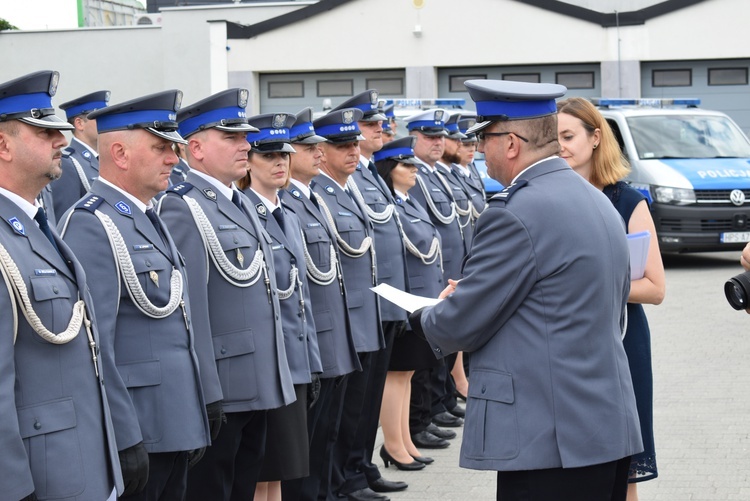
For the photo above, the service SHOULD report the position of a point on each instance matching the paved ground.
(701, 350)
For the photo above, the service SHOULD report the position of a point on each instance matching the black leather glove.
(134, 465)
(194, 456)
(313, 391)
(30, 497)
(216, 416)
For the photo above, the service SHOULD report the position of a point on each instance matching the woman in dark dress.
(590, 148)
(397, 166)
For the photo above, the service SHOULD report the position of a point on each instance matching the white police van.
(692, 165)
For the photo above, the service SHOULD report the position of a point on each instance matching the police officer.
(352, 228)
(467, 168)
(80, 163)
(371, 192)
(545, 278)
(233, 287)
(52, 397)
(138, 281)
(328, 297)
(389, 124)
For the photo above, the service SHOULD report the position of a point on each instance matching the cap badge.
(278, 121)
(439, 115)
(329, 190)
(242, 103)
(107, 96)
(53, 83)
(348, 116)
(17, 225)
(177, 100)
(210, 194)
(123, 208)
(374, 98)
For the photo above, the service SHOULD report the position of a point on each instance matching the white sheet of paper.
(408, 302)
(638, 244)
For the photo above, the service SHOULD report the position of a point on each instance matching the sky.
(40, 14)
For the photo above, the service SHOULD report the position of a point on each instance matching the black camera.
(737, 290)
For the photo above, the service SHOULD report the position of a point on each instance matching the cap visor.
(276, 147)
(408, 161)
(169, 135)
(314, 139)
(377, 117)
(457, 135)
(434, 133)
(48, 122)
(237, 128)
(478, 126)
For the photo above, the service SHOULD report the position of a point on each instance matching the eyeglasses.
(482, 135)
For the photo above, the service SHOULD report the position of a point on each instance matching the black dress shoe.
(458, 411)
(383, 485)
(447, 420)
(426, 440)
(366, 494)
(441, 433)
(388, 459)
(424, 459)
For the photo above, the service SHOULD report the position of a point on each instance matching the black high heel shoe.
(388, 459)
(423, 459)
(459, 396)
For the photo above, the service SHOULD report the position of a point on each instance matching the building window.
(457, 81)
(672, 78)
(333, 88)
(727, 76)
(387, 86)
(286, 89)
(576, 80)
(523, 77)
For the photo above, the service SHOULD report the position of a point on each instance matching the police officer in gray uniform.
(233, 288)
(328, 297)
(372, 193)
(80, 163)
(461, 197)
(353, 231)
(548, 275)
(470, 174)
(55, 422)
(139, 284)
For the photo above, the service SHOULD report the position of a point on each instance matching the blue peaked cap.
(340, 126)
(86, 104)
(367, 103)
(273, 132)
(224, 110)
(29, 99)
(400, 150)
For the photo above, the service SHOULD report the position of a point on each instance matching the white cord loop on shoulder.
(430, 256)
(81, 174)
(376, 217)
(433, 208)
(313, 272)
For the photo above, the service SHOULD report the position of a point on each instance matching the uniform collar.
(227, 191)
(532, 165)
(301, 187)
(269, 205)
(28, 208)
(141, 206)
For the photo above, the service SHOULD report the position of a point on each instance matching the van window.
(687, 136)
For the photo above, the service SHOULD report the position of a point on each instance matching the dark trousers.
(443, 387)
(601, 482)
(420, 405)
(322, 425)
(229, 470)
(167, 478)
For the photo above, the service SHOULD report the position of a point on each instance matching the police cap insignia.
(17, 225)
(177, 100)
(242, 103)
(261, 209)
(124, 208)
(348, 116)
(107, 96)
(374, 98)
(279, 121)
(439, 115)
(54, 80)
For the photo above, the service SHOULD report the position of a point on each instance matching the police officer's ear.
(195, 147)
(79, 123)
(6, 131)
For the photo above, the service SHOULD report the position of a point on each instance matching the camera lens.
(737, 291)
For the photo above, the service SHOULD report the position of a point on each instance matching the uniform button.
(148, 263)
(484, 389)
(223, 351)
(277, 317)
(301, 337)
(55, 290)
(37, 425)
(236, 241)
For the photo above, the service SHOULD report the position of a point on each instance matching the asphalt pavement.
(701, 356)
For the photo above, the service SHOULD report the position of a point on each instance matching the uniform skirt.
(287, 444)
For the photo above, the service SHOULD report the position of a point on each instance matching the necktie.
(236, 200)
(373, 169)
(278, 215)
(41, 220)
(157, 225)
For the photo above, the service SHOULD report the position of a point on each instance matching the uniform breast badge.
(154, 277)
(240, 257)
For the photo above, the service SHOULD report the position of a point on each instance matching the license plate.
(733, 237)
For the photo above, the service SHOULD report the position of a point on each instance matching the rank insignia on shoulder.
(91, 203)
(181, 188)
(330, 190)
(504, 195)
(261, 209)
(210, 194)
(17, 226)
(123, 208)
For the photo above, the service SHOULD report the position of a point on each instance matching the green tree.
(5, 25)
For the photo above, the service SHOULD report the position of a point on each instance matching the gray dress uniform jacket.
(338, 355)
(55, 423)
(425, 280)
(389, 249)
(475, 184)
(155, 358)
(541, 309)
(353, 226)
(239, 339)
(69, 189)
(300, 338)
(454, 248)
(463, 203)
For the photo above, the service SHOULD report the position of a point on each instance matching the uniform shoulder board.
(503, 197)
(180, 188)
(90, 203)
(66, 152)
